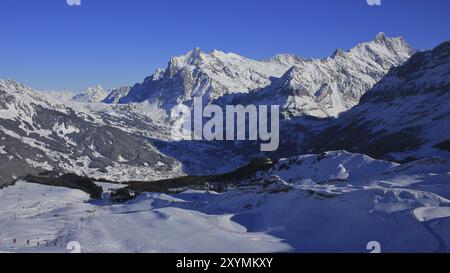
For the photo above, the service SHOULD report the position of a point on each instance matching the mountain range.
(379, 98)
(315, 87)
(364, 158)
(405, 116)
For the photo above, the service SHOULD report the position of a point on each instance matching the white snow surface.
(309, 207)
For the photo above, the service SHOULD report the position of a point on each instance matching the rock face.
(36, 134)
(405, 116)
(321, 88)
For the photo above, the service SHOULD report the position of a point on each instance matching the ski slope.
(333, 202)
(153, 223)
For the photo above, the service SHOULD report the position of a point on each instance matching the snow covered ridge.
(90, 95)
(404, 117)
(425, 72)
(331, 202)
(321, 88)
(328, 87)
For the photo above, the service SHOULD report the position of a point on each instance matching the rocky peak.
(425, 71)
(13, 85)
(381, 37)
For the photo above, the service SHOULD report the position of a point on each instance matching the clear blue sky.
(50, 45)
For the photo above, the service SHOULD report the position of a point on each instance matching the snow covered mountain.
(37, 133)
(328, 87)
(62, 135)
(404, 116)
(210, 75)
(91, 94)
(320, 88)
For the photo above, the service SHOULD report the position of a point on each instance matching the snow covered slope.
(38, 133)
(332, 202)
(405, 116)
(153, 223)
